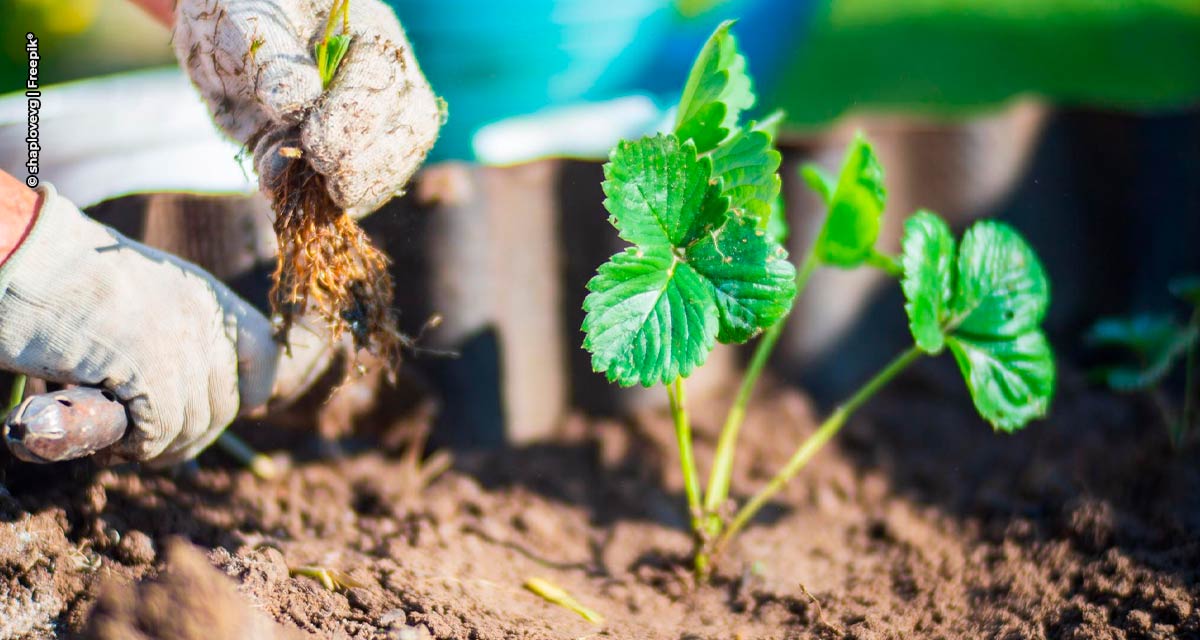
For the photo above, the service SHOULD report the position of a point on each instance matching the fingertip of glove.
(257, 363)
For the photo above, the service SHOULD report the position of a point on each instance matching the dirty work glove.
(253, 62)
(82, 304)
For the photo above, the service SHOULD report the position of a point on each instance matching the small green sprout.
(855, 202)
(255, 45)
(701, 208)
(1155, 344)
(260, 464)
(555, 594)
(333, 47)
(331, 579)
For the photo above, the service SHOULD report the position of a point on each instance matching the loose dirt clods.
(918, 523)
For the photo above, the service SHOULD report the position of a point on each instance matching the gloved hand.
(82, 304)
(252, 60)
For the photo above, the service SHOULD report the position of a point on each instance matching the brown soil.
(916, 523)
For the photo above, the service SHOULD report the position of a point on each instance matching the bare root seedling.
(328, 262)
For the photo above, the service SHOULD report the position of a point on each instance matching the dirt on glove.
(917, 522)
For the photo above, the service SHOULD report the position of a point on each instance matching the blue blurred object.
(767, 31)
(492, 60)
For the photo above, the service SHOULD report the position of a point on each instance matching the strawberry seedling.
(1155, 344)
(700, 206)
(333, 47)
(327, 263)
(694, 204)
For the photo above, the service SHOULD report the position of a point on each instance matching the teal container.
(492, 60)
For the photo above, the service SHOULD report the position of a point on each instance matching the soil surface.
(917, 522)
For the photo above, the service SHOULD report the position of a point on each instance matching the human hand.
(367, 132)
(82, 304)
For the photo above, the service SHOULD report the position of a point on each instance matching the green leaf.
(1001, 289)
(650, 318)
(752, 278)
(329, 56)
(660, 194)
(994, 325)
(1011, 380)
(770, 124)
(699, 272)
(1186, 288)
(818, 180)
(748, 166)
(855, 208)
(928, 281)
(1156, 342)
(777, 227)
(717, 91)
(1143, 334)
(776, 223)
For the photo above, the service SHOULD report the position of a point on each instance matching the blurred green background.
(78, 39)
(954, 55)
(1104, 180)
(935, 56)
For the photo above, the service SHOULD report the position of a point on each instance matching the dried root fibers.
(329, 265)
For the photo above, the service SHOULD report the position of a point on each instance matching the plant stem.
(683, 433)
(340, 9)
(260, 464)
(888, 263)
(1188, 418)
(810, 446)
(17, 394)
(722, 469)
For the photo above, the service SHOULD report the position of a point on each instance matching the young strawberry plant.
(694, 204)
(701, 208)
(333, 46)
(1155, 343)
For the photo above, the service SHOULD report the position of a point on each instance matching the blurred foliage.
(941, 57)
(53, 17)
(694, 8)
(78, 38)
(955, 56)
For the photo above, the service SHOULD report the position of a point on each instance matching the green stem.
(260, 464)
(813, 444)
(340, 9)
(1189, 384)
(687, 460)
(17, 394)
(888, 263)
(722, 469)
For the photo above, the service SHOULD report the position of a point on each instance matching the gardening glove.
(253, 62)
(82, 304)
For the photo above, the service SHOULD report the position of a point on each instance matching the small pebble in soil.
(274, 565)
(109, 537)
(136, 548)
(394, 619)
(410, 633)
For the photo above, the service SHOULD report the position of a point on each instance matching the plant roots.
(326, 260)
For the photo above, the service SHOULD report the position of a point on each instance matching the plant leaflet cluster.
(701, 209)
